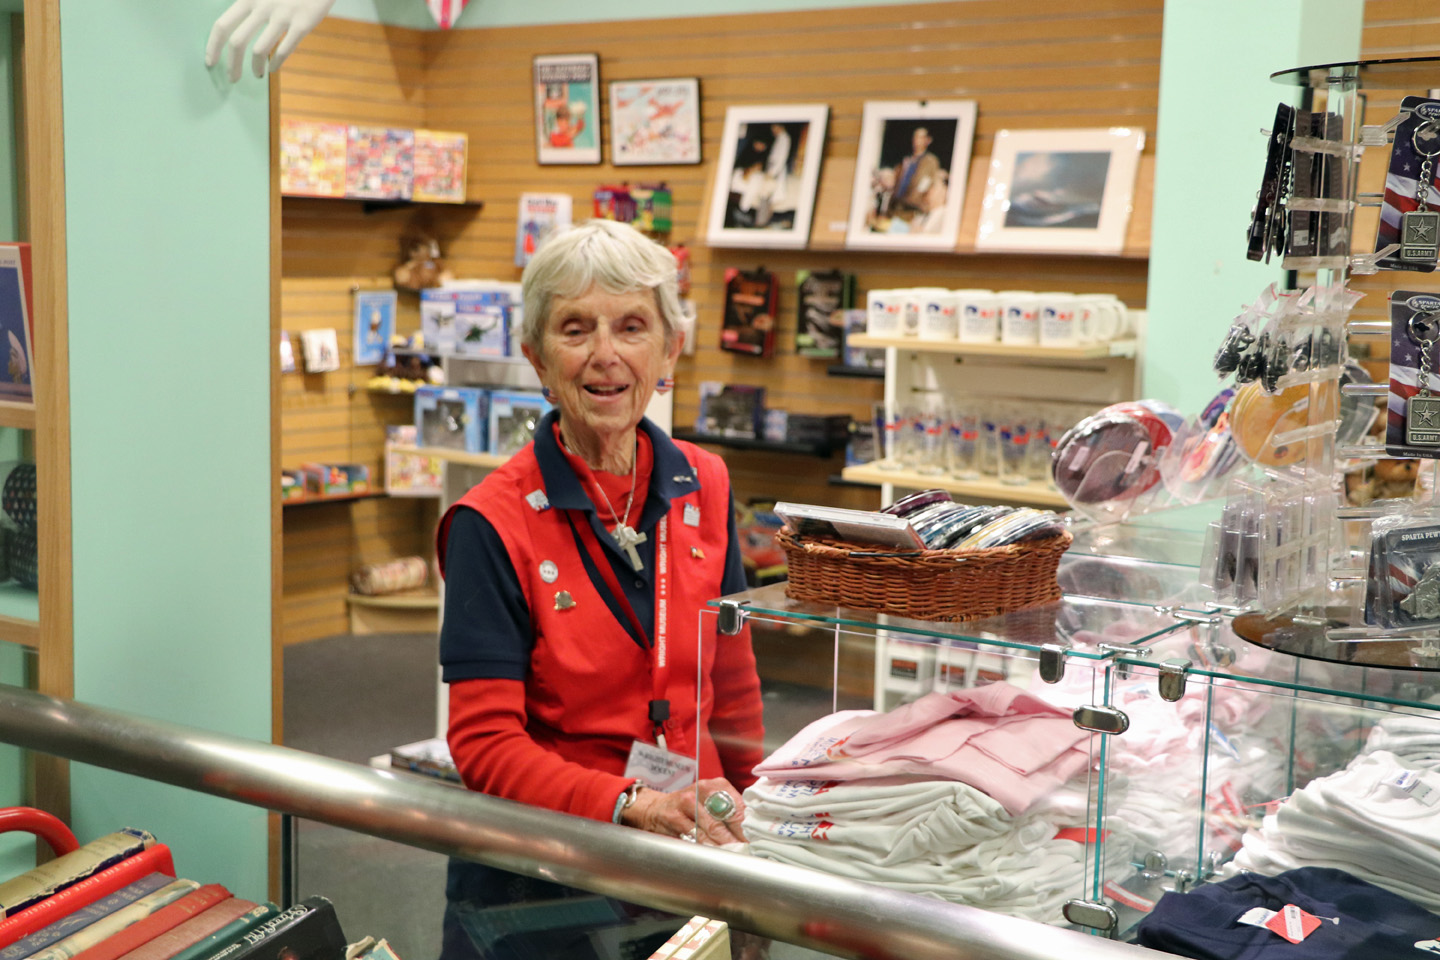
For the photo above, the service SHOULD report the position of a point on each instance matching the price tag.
(1256, 917)
(1292, 923)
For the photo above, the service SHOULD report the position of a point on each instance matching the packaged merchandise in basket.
(924, 557)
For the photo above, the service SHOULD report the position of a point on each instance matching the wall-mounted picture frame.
(1060, 191)
(910, 174)
(766, 176)
(567, 108)
(655, 122)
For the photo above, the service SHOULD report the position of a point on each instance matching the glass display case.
(1075, 763)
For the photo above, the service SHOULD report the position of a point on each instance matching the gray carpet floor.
(355, 697)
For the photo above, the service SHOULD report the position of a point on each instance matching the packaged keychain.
(1268, 218)
(1406, 218)
(1412, 417)
(1404, 586)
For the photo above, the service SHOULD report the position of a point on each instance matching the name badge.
(660, 769)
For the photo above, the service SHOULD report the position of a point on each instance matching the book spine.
(207, 947)
(156, 859)
(83, 917)
(88, 937)
(308, 929)
(157, 923)
(35, 885)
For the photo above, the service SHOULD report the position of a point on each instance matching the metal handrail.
(775, 900)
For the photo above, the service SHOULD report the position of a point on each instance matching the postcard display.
(1126, 761)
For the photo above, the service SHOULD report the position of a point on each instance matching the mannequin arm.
(285, 22)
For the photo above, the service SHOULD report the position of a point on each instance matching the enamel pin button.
(549, 572)
(691, 515)
(563, 600)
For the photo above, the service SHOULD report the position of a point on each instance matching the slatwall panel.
(1393, 28)
(1043, 64)
(362, 73)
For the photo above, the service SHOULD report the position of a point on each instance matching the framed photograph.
(910, 174)
(766, 175)
(567, 108)
(374, 324)
(655, 121)
(1060, 191)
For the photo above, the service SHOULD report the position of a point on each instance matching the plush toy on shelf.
(424, 266)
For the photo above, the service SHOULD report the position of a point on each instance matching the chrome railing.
(793, 904)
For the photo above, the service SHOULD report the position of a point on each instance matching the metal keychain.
(1422, 411)
(1420, 228)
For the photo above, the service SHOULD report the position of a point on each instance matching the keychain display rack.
(1285, 544)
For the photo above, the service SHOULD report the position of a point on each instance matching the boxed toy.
(731, 410)
(292, 485)
(481, 323)
(409, 474)
(329, 479)
(437, 319)
(452, 417)
(514, 416)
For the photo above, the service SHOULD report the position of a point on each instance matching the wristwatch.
(627, 797)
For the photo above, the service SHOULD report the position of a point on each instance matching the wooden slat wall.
(1046, 64)
(1054, 63)
(362, 73)
(1393, 28)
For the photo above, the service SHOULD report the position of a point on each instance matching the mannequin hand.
(671, 814)
(290, 19)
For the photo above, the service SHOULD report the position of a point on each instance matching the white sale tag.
(660, 769)
(1256, 916)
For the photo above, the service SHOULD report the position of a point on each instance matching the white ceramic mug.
(883, 318)
(1057, 317)
(1125, 324)
(912, 307)
(939, 316)
(1105, 317)
(1019, 319)
(979, 315)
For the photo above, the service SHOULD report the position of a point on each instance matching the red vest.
(589, 684)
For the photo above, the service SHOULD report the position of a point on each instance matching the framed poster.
(910, 174)
(374, 324)
(540, 214)
(1060, 191)
(567, 108)
(766, 175)
(655, 121)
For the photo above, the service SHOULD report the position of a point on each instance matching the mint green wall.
(1215, 97)
(167, 205)
(510, 13)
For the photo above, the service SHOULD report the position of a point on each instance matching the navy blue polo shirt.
(486, 632)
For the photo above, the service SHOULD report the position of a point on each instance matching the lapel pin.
(692, 515)
(549, 572)
(563, 600)
(538, 500)
(697, 553)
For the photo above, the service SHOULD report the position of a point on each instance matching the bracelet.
(627, 797)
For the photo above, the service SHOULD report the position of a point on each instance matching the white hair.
(613, 255)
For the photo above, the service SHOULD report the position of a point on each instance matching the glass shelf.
(1401, 73)
(1080, 624)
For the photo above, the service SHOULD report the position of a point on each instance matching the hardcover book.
(209, 943)
(35, 885)
(749, 318)
(17, 321)
(83, 917)
(155, 859)
(161, 921)
(380, 163)
(306, 931)
(430, 757)
(440, 166)
(113, 923)
(312, 158)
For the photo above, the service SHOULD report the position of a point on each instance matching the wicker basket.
(933, 585)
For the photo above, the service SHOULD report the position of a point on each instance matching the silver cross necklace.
(626, 537)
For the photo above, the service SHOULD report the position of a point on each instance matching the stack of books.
(118, 897)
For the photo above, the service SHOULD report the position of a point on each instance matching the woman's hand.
(673, 814)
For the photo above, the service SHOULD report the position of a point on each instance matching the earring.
(665, 385)
(549, 395)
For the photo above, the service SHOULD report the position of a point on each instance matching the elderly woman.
(574, 573)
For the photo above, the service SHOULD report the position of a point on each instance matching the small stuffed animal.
(424, 268)
(1382, 480)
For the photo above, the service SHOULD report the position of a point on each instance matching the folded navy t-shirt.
(1358, 920)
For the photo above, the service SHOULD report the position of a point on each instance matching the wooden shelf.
(1093, 351)
(331, 498)
(765, 446)
(14, 413)
(456, 456)
(984, 488)
(19, 615)
(859, 373)
(376, 206)
(426, 600)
